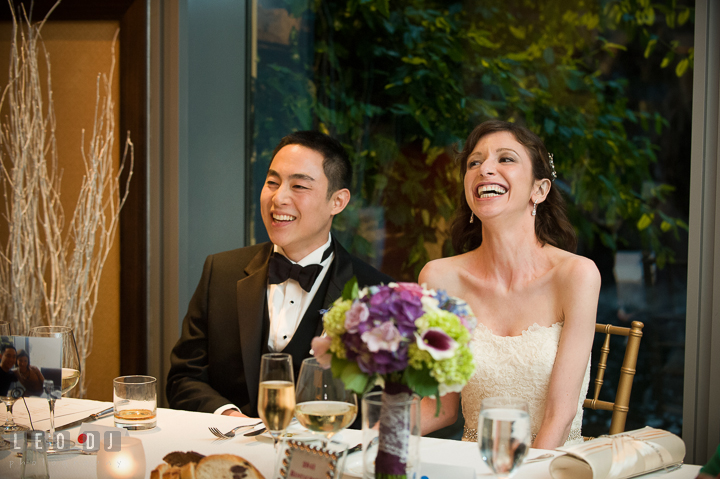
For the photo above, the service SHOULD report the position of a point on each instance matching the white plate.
(353, 465)
(294, 431)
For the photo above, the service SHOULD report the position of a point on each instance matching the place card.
(299, 460)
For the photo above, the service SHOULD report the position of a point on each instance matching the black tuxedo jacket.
(216, 361)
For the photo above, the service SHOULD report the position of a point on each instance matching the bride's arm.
(435, 276)
(448, 412)
(579, 289)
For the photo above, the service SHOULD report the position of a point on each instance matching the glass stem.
(51, 401)
(9, 420)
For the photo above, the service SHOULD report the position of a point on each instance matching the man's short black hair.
(336, 163)
(7, 346)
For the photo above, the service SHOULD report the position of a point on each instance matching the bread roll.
(226, 466)
(218, 466)
(163, 471)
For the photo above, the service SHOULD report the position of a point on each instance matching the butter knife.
(60, 452)
(91, 417)
(256, 432)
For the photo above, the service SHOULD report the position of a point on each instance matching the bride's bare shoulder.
(576, 271)
(441, 273)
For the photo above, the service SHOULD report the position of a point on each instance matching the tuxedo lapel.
(251, 301)
(341, 271)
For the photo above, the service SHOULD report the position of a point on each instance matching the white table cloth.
(188, 431)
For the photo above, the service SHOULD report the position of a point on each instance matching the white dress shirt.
(288, 302)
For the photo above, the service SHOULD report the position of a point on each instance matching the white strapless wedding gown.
(518, 366)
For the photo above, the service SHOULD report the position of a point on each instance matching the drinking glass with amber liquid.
(276, 395)
(135, 402)
(322, 403)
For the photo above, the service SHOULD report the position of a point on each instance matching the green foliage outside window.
(402, 83)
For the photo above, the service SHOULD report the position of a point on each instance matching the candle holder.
(127, 462)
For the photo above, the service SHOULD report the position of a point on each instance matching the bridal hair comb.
(552, 167)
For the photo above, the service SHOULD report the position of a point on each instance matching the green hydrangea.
(418, 358)
(455, 370)
(334, 320)
(337, 347)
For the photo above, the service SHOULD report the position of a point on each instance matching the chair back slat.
(621, 404)
(602, 366)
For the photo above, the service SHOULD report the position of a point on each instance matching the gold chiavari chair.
(621, 404)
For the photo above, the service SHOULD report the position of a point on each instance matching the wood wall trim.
(134, 215)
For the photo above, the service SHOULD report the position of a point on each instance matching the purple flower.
(392, 304)
(384, 362)
(357, 314)
(436, 342)
(385, 337)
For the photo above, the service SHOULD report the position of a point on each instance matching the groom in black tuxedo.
(268, 297)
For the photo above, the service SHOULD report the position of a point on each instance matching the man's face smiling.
(8, 359)
(294, 205)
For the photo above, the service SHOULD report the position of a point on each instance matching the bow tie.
(281, 269)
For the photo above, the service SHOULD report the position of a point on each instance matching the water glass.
(34, 456)
(135, 402)
(387, 423)
(504, 434)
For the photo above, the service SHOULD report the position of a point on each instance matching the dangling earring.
(534, 211)
(472, 217)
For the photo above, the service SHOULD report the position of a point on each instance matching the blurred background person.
(7, 361)
(29, 376)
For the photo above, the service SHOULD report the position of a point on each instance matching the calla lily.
(436, 342)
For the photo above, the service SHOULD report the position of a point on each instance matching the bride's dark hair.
(551, 223)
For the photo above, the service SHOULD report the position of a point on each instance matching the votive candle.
(126, 463)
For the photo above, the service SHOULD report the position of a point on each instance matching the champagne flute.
(276, 395)
(504, 434)
(70, 373)
(322, 403)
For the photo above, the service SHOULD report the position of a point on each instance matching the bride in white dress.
(535, 300)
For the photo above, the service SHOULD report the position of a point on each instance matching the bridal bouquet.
(412, 338)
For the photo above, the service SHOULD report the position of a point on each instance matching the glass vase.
(391, 433)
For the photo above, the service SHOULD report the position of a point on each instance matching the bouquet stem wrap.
(394, 438)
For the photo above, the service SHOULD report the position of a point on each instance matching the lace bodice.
(518, 366)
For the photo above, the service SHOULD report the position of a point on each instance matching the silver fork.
(231, 433)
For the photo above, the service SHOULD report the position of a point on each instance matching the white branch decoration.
(50, 274)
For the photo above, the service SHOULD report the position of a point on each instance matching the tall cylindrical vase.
(391, 433)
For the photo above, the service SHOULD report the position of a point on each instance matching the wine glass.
(322, 403)
(9, 396)
(504, 434)
(276, 396)
(70, 373)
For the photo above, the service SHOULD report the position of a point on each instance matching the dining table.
(178, 430)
